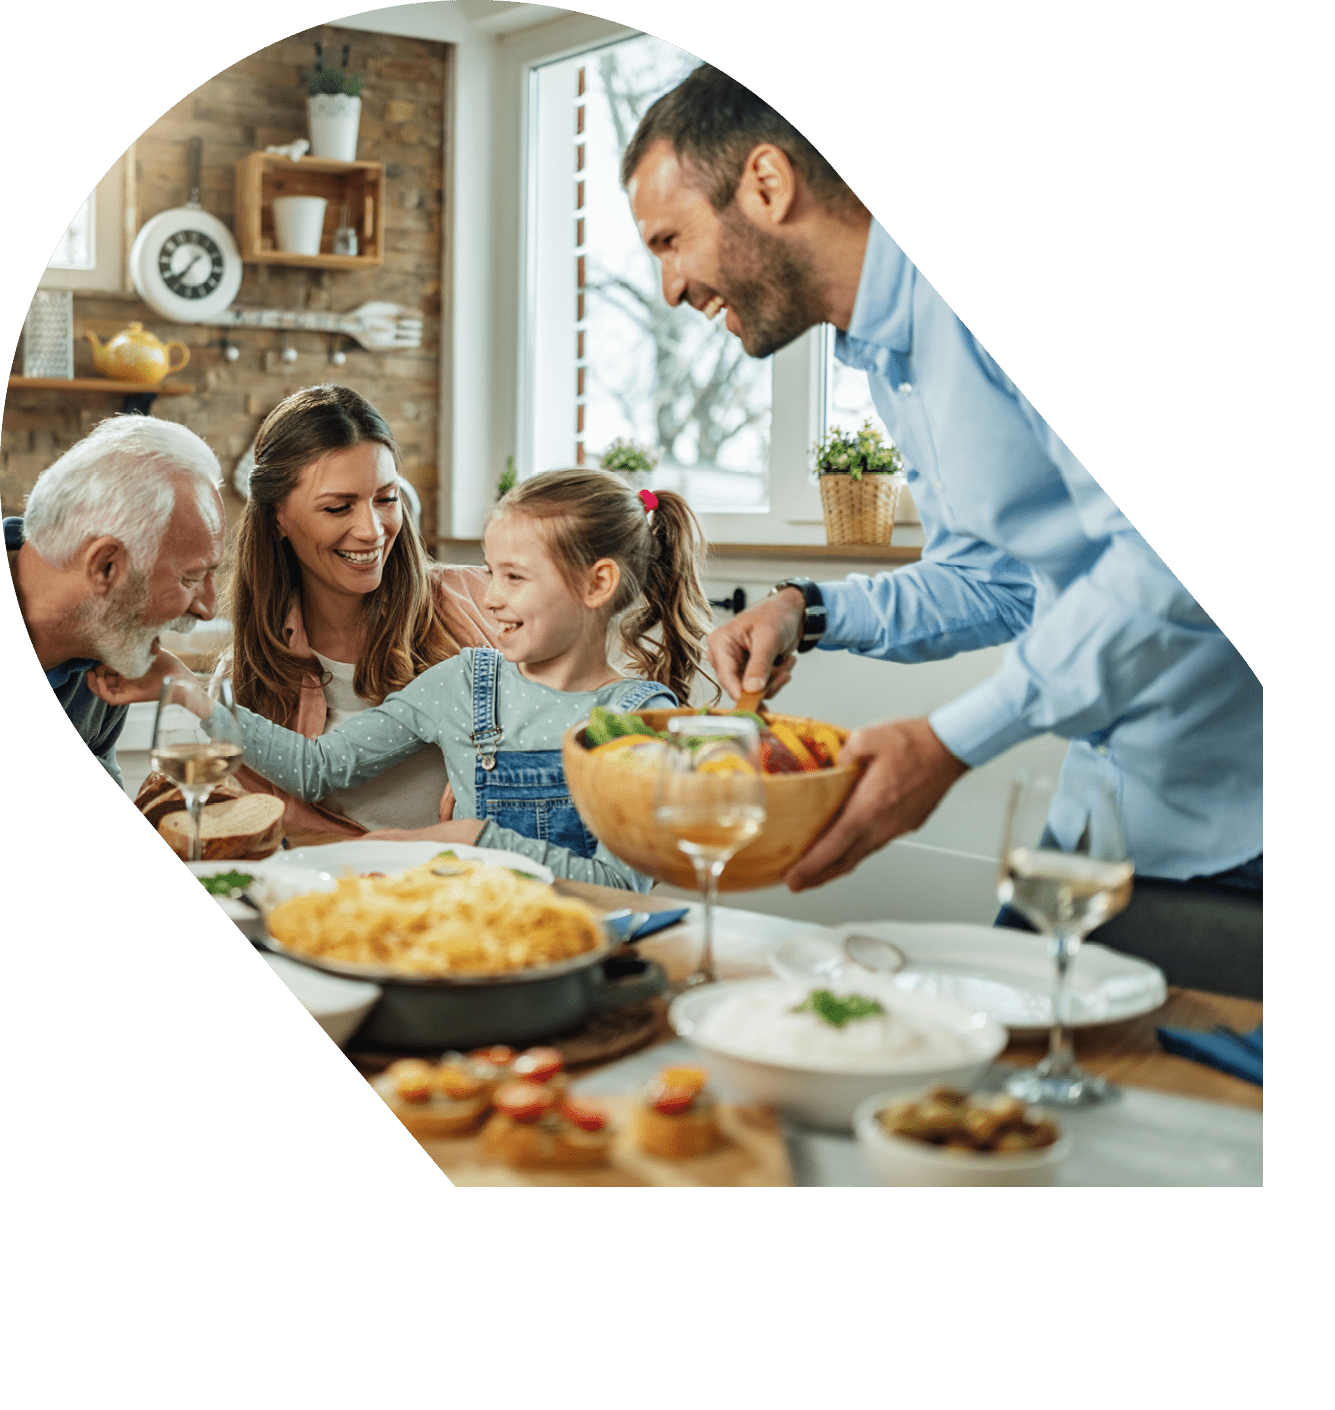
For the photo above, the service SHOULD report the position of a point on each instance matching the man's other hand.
(906, 773)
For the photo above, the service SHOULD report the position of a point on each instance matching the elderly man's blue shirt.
(1110, 650)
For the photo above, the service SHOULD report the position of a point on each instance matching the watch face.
(191, 264)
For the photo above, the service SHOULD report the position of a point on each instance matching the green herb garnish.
(835, 1009)
(226, 883)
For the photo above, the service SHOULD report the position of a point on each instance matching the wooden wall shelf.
(100, 384)
(360, 185)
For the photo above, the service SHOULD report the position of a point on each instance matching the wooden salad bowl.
(617, 805)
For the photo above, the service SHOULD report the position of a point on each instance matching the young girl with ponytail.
(571, 554)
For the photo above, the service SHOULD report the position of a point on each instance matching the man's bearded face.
(115, 627)
(766, 284)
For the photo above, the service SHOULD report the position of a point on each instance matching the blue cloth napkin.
(1239, 1057)
(660, 920)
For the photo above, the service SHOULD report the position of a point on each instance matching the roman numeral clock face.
(185, 265)
(191, 265)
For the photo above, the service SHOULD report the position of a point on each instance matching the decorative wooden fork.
(377, 326)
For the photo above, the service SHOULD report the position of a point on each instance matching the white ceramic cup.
(298, 222)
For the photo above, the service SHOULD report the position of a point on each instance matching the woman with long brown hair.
(334, 603)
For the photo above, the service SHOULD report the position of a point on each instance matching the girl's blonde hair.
(586, 515)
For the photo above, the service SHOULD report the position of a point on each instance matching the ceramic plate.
(1006, 973)
(357, 855)
(268, 874)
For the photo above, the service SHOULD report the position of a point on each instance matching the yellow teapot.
(136, 355)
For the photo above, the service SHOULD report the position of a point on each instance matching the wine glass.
(709, 795)
(1064, 893)
(196, 741)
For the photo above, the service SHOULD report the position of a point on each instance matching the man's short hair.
(122, 479)
(713, 124)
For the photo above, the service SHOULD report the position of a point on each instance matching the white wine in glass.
(711, 798)
(1064, 895)
(196, 742)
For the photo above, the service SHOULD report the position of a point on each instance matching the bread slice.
(678, 1137)
(554, 1144)
(436, 1118)
(158, 796)
(248, 827)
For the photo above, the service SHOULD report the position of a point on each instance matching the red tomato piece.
(669, 1100)
(539, 1064)
(524, 1102)
(497, 1056)
(587, 1118)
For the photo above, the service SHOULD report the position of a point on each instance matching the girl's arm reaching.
(359, 749)
(603, 869)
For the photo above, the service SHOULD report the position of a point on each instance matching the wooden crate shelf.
(361, 185)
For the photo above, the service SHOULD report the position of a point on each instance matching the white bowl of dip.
(820, 1073)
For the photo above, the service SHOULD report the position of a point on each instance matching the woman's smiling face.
(342, 518)
(539, 614)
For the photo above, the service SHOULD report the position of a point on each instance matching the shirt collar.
(882, 320)
(58, 675)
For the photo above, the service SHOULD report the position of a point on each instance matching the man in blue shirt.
(1110, 651)
(120, 541)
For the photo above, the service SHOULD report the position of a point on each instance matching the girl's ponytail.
(673, 601)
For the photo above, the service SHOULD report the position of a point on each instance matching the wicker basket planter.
(859, 511)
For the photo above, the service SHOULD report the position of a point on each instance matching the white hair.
(122, 479)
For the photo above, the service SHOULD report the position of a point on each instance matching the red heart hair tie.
(650, 500)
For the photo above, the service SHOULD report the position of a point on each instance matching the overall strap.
(486, 733)
(638, 694)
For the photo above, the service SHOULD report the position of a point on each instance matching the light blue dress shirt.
(1110, 650)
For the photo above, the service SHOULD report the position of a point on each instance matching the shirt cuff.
(850, 617)
(980, 725)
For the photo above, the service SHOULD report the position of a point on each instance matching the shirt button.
(905, 388)
(1102, 751)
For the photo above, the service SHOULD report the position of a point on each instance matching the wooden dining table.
(1126, 1053)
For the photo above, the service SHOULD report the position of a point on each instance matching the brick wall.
(259, 102)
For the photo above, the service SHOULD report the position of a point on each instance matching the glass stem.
(707, 874)
(1060, 1061)
(194, 803)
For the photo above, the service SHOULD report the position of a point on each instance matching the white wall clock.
(184, 262)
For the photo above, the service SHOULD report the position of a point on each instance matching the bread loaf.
(248, 827)
(158, 796)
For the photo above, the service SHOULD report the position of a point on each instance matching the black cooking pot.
(441, 1016)
(471, 1011)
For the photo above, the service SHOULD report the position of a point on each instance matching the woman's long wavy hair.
(403, 634)
(664, 614)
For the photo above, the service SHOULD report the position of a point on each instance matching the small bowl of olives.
(947, 1137)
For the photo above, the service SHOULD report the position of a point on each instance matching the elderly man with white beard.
(120, 541)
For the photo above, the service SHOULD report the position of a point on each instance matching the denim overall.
(525, 789)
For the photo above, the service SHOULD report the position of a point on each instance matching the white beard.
(116, 630)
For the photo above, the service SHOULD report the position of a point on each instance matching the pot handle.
(630, 988)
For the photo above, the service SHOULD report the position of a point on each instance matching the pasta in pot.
(475, 919)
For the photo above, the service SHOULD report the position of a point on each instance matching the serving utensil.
(377, 326)
(875, 954)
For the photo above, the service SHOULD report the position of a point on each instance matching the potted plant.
(334, 108)
(628, 459)
(860, 480)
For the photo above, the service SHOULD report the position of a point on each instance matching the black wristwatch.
(813, 623)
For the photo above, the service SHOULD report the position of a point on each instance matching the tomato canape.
(581, 1114)
(457, 1083)
(524, 1102)
(538, 1064)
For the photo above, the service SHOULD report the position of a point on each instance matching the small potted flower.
(334, 108)
(628, 459)
(860, 480)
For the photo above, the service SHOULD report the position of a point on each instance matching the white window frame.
(797, 418)
(113, 233)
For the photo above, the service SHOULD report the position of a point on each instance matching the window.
(78, 245)
(90, 254)
(611, 360)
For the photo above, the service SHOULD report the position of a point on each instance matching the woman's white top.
(407, 795)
